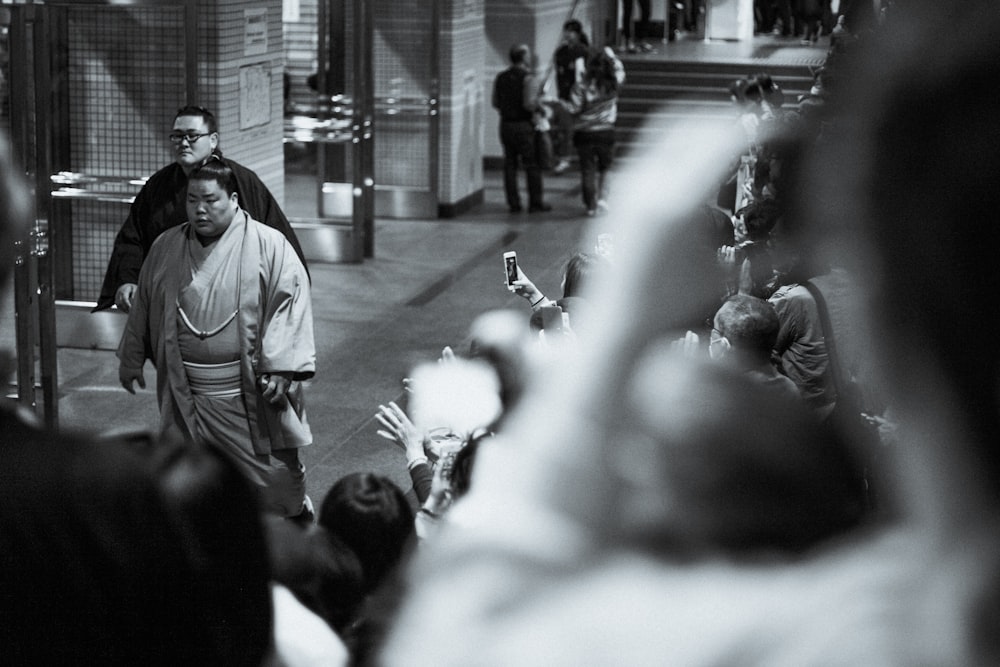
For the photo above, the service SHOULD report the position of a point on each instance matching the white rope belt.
(216, 380)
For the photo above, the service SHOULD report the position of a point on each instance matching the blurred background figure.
(570, 59)
(593, 101)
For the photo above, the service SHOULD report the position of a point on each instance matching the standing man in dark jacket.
(515, 96)
(160, 204)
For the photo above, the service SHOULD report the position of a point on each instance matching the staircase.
(658, 91)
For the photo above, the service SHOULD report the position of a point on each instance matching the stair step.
(660, 91)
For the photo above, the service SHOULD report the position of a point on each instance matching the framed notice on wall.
(255, 31)
(255, 96)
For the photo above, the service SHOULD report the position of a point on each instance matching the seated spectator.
(451, 482)
(98, 570)
(744, 331)
(371, 515)
(217, 513)
(800, 350)
(467, 395)
(581, 269)
(750, 256)
(318, 569)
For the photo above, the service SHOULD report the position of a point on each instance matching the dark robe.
(161, 204)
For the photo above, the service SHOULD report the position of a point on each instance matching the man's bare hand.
(124, 296)
(129, 375)
(274, 386)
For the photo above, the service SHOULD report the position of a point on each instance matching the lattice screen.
(125, 80)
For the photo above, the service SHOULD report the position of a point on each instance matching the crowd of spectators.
(672, 471)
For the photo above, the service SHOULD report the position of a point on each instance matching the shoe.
(307, 516)
(591, 212)
(602, 206)
(515, 209)
(539, 208)
(560, 167)
(646, 47)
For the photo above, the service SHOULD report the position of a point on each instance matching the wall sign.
(255, 96)
(255, 31)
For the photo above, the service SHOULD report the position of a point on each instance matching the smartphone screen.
(510, 264)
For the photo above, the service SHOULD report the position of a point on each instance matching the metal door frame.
(38, 39)
(407, 202)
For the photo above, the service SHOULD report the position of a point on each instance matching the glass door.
(329, 129)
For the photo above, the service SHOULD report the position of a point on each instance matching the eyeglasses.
(191, 137)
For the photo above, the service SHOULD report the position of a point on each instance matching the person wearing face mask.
(160, 204)
(223, 310)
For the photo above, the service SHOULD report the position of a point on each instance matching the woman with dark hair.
(371, 515)
(580, 270)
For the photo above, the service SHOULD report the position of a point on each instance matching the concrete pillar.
(240, 67)
(463, 105)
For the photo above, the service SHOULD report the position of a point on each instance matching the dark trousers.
(642, 27)
(562, 131)
(518, 140)
(595, 150)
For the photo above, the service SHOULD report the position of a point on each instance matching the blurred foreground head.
(111, 558)
(903, 194)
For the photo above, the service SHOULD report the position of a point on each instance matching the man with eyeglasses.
(160, 204)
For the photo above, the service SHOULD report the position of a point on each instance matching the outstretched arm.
(523, 287)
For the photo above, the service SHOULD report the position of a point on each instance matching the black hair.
(579, 269)
(601, 71)
(372, 516)
(200, 112)
(519, 54)
(762, 88)
(575, 26)
(323, 572)
(138, 555)
(215, 169)
(465, 459)
(217, 512)
(760, 216)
